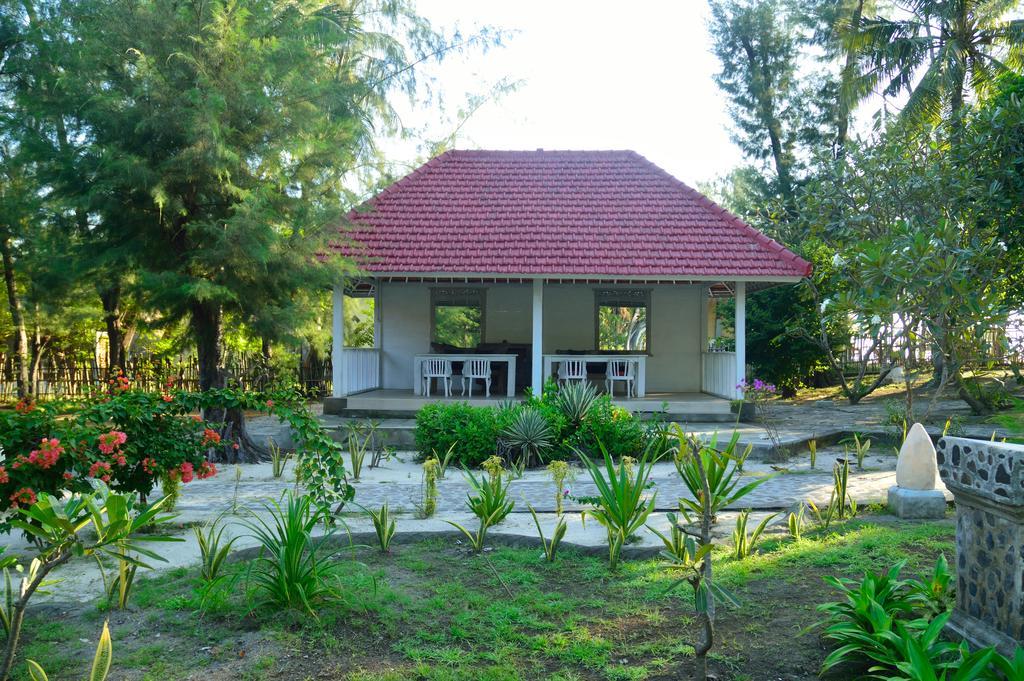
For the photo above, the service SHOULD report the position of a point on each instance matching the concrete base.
(917, 503)
(335, 406)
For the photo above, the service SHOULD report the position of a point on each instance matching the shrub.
(616, 429)
(472, 431)
(530, 433)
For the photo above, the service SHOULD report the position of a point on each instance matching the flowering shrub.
(125, 438)
(762, 396)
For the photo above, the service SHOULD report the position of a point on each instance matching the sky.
(594, 75)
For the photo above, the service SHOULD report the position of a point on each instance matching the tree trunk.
(21, 363)
(114, 317)
(208, 329)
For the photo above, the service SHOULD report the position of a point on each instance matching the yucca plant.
(213, 550)
(384, 526)
(574, 400)
(550, 545)
(621, 506)
(294, 569)
(489, 502)
(278, 459)
(360, 437)
(100, 662)
(841, 503)
(795, 522)
(676, 542)
(530, 433)
(722, 470)
(744, 545)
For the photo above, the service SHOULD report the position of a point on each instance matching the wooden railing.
(362, 369)
(719, 374)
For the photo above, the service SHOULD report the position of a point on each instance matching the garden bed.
(430, 610)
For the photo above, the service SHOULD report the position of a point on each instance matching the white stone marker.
(917, 473)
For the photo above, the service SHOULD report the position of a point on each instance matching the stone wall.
(987, 482)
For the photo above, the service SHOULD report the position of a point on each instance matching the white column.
(538, 337)
(338, 342)
(741, 333)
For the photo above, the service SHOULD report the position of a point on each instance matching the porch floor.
(397, 402)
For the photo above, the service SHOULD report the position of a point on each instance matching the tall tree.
(961, 46)
(215, 136)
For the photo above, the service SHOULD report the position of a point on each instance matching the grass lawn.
(432, 611)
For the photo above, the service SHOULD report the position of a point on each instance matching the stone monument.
(915, 494)
(987, 482)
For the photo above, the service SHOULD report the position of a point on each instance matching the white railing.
(362, 369)
(719, 374)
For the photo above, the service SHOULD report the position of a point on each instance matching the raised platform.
(385, 403)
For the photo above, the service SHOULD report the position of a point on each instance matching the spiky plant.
(530, 433)
(575, 400)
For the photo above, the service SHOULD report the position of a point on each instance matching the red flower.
(206, 470)
(187, 472)
(68, 475)
(111, 441)
(100, 469)
(24, 406)
(47, 454)
(24, 496)
(167, 398)
(210, 437)
(149, 465)
(270, 404)
(3, 475)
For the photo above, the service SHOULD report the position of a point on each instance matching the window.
(623, 318)
(457, 316)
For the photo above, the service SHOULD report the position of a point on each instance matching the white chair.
(474, 369)
(571, 370)
(622, 371)
(440, 369)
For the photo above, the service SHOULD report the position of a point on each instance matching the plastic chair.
(474, 369)
(622, 371)
(440, 369)
(571, 370)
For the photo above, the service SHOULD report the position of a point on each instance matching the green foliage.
(472, 431)
(622, 505)
(431, 472)
(795, 523)
(575, 399)
(294, 569)
(530, 433)
(680, 548)
(213, 550)
(100, 663)
(550, 545)
(360, 438)
(384, 526)
(744, 545)
(611, 428)
(560, 472)
(722, 472)
(278, 459)
(489, 502)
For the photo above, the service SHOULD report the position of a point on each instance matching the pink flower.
(47, 454)
(111, 441)
(25, 495)
(100, 469)
(187, 472)
(3, 475)
(270, 404)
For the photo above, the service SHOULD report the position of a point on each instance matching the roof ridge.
(755, 234)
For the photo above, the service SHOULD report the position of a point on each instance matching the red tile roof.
(571, 213)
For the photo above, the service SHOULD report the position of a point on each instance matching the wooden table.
(417, 368)
(639, 360)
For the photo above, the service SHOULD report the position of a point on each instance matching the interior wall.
(673, 366)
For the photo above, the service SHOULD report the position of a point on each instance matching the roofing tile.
(600, 213)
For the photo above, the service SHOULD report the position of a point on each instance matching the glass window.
(623, 319)
(458, 317)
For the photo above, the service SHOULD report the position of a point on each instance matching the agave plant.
(621, 505)
(574, 401)
(530, 433)
(722, 469)
(489, 502)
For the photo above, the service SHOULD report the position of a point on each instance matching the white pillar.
(538, 337)
(741, 333)
(338, 342)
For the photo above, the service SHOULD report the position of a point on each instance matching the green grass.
(431, 611)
